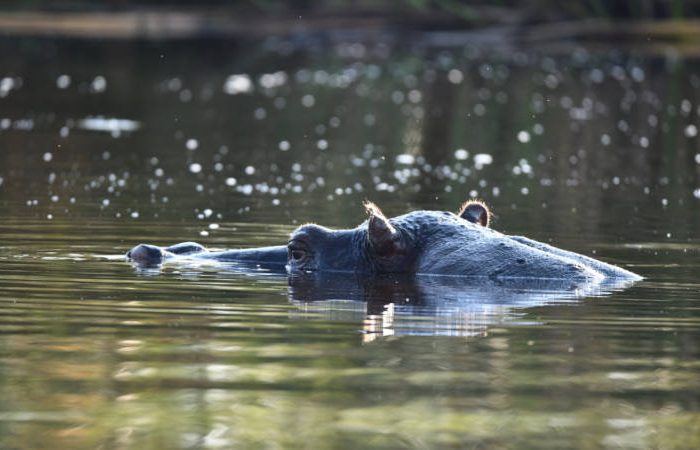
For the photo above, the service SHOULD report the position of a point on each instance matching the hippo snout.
(145, 254)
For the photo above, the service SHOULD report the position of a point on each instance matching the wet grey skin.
(417, 243)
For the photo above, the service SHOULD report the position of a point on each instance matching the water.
(104, 145)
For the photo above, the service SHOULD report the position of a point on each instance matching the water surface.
(233, 144)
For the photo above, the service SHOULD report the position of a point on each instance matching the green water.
(234, 144)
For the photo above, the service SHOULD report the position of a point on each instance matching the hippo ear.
(381, 234)
(475, 211)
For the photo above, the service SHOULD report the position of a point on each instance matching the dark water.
(233, 144)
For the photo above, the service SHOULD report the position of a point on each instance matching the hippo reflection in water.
(414, 244)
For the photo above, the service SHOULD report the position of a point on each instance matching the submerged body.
(420, 242)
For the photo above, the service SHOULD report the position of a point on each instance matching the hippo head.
(379, 245)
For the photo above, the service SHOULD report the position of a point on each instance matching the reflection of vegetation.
(473, 11)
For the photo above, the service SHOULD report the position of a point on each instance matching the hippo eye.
(296, 251)
(297, 255)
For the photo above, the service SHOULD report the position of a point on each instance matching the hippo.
(419, 243)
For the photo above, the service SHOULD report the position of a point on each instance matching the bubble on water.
(207, 212)
(664, 202)
(524, 137)
(686, 106)
(54, 198)
(249, 170)
(691, 131)
(2, 180)
(238, 84)
(260, 113)
(596, 75)
(273, 80)
(696, 193)
(135, 214)
(279, 102)
(213, 226)
(637, 74)
(284, 146)
(246, 189)
(308, 101)
(230, 181)
(605, 139)
(49, 216)
(192, 144)
(415, 96)
(322, 144)
(455, 76)
(7, 84)
(479, 109)
(481, 160)
(63, 81)
(47, 157)
(461, 154)
(551, 81)
(105, 202)
(99, 84)
(524, 190)
(397, 97)
(405, 158)
(195, 167)
(644, 142)
(218, 167)
(204, 233)
(159, 172)
(538, 129)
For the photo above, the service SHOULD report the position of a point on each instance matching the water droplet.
(461, 154)
(230, 181)
(284, 146)
(482, 159)
(195, 167)
(455, 76)
(238, 84)
(99, 84)
(48, 156)
(63, 81)
(308, 100)
(524, 137)
(405, 158)
(192, 144)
